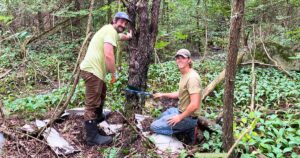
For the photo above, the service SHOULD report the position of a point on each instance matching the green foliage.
(273, 135)
(5, 19)
(294, 34)
(109, 152)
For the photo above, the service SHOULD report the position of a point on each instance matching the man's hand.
(114, 78)
(157, 95)
(125, 37)
(174, 120)
(129, 35)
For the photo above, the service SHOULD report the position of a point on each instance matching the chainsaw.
(138, 91)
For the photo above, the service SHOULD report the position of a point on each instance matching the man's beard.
(120, 29)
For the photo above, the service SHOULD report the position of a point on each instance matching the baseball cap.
(122, 15)
(183, 52)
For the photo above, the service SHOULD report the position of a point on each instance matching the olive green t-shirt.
(190, 83)
(94, 60)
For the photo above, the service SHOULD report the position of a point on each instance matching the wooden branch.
(206, 123)
(219, 78)
(252, 104)
(274, 61)
(257, 63)
(12, 135)
(1, 112)
(42, 73)
(89, 24)
(146, 140)
(154, 22)
(5, 73)
(76, 70)
(240, 137)
(125, 3)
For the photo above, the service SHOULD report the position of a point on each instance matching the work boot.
(101, 116)
(192, 136)
(92, 135)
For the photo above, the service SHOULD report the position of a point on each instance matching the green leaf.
(244, 120)
(180, 36)
(205, 146)
(206, 135)
(288, 149)
(5, 19)
(161, 44)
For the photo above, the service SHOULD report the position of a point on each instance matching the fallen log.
(219, 78)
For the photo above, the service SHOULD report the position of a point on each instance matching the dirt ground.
(128, 143)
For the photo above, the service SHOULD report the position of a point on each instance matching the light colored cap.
(183, 52)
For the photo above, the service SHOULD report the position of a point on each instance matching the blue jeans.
(161, 125)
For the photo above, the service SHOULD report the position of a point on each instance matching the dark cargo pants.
(95, 93)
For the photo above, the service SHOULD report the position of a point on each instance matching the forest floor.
(127, 143)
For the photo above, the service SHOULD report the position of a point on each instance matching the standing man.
(184, 118)
(99, 61)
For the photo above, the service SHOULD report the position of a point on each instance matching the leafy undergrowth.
(276, 131)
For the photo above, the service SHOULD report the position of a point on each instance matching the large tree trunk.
(141, 49)
(234, 36)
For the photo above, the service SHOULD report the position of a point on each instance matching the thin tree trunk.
(40, 22)
(234, 36)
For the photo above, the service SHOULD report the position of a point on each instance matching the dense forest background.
(40, 42)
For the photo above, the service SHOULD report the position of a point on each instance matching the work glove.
(114, 78)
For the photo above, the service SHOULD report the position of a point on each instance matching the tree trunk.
(141, 49)
(234, 36)
(77, 6)
(40, 21)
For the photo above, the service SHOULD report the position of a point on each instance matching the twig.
(130, 154)
(252, 104)
(274, 61)
(5, 73)
(258, 63)
(241, 136)
(36, 140)
(42, 73)
(76, 78)
(149, 143)
(1, 112)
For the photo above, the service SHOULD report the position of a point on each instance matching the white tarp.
(58, 144)
(2, 141)
(162, 142)
(110, 129)
(80, 111)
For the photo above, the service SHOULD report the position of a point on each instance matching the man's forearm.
(189, 111)
(173, 95)
(110, 64)
(193, 106)
(109, 57)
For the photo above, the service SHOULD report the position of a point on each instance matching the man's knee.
(153, 127)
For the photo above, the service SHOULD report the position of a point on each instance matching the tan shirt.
(190, 83)
(94, 60)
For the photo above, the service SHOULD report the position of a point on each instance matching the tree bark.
(77, 6)
(141, 48)
(234, 36)
(40, 21)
